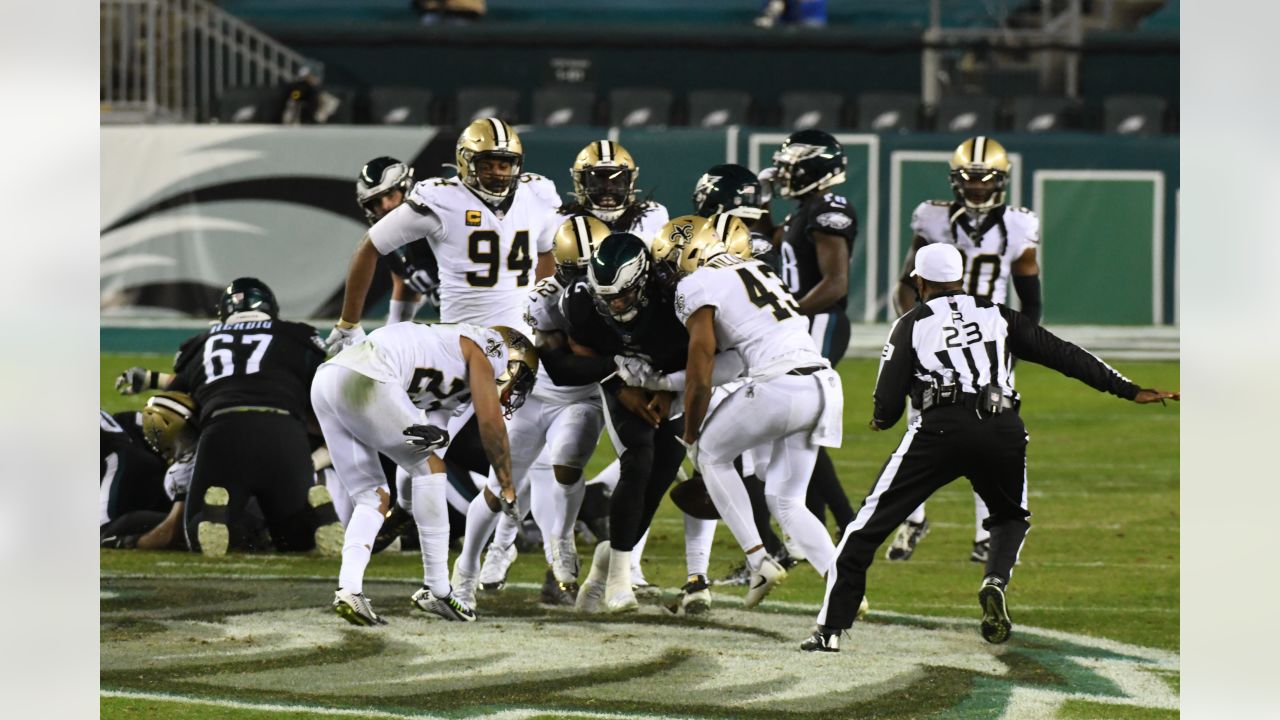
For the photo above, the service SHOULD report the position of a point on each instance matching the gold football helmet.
(704, 245)
(169, 425)
(979, 173)
(733, 232)
(604, 179)
(489, 139)
(516, 383)
(665, 247)
(576, 240)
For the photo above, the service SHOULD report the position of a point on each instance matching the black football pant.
(255, 455)
(950, 442)
(830, 332)
(133, 482)
(650, 458)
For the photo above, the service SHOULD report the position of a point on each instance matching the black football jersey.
(417, 255)
(656, 335)
(114, 436)
(260, 363)
(822, 212)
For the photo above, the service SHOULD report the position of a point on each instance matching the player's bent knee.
(377, 497)
(492, 500)
(566, 475)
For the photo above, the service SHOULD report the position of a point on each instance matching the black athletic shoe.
(996, 626)
(822, 640)
(981, 551)
(396, 522)
(558, 593)
(904, 543)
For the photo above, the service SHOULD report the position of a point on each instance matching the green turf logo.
(274, 642)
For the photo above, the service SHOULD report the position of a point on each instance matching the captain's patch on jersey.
(887, 352)
(835, 220)
(473, 218)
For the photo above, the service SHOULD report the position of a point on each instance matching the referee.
(953, 355)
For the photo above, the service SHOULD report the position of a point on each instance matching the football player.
(816, 241)
(371, 395)
(734, 190)
(792, 394)
(604, 180)
(998, 244)
(381, 186)
(134, 511)
(551, 439)
(250, 375)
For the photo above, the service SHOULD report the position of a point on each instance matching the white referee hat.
(939, 262)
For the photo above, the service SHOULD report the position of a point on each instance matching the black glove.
(427, 436)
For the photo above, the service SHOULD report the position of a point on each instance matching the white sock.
(980, 513)
(480, 522)
(547, 505)
(729, 495)
(341, 500)
(430, 511)
(404, 489)
(917, 515)
(357, 546)
(599, 571)
(402, 310)
(637, 553)
(698, 536)
(755, 557)
(505, 534)
(619, 571)
(572, 500)
(609, 476)
(805, 530)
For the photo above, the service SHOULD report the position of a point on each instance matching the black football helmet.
(619, 277)
(729, 189)
(809, 160)
(245, 294)
(378, 177)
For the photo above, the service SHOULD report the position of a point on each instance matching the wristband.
(153, 380)
(343, 324)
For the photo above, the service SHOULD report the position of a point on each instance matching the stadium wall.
(187, 208)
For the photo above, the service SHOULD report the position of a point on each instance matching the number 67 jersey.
(754, 314)
(250, 360)
(488, 255)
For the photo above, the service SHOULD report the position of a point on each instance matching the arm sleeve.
(1033, 343)
(893, 383)
(565, 368)
(1028, 289)
(410, 221)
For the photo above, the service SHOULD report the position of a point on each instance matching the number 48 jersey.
(754, 314)
(988, 251)
(488, 255)
(250, 360)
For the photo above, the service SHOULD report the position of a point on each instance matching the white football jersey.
(988, 255)
(425, 360)
(755, 314)
(645, 227)
(488, 256)
(543, 315)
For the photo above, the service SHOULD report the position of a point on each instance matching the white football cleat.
(493, 571)
(464, 586)
(762, 580)
(565, 561)
(449, 607)
(355, 608)
(591, 593)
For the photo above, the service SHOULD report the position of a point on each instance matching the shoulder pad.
(939, 203)
(1019, 208)
(542, 187)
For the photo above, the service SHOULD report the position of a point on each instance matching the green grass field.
(1094, 602)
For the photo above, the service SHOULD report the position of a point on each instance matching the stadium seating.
(557, 106)
(888, 113)
(399, 106)
(479, 102)
(968, 114)
(639, 107)
(714, 108)
(1133, 115)
(1044, 114)
(249, 105)
(803, 110)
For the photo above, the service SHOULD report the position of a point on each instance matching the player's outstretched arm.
(493, 430)
(697, 381)
(359, 277)
(1150, 395)
(136, 379)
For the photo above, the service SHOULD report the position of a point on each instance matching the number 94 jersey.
(258, 361)
(754, 314)
(988, 250)
(488, 255)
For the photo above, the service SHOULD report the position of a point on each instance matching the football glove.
(509, 509)
(766, 178)
(177, 479)
(341, 337)
(634, 371)
(420, 282)
(134, 380)
(427, 436)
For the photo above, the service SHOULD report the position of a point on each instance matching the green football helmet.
(619, 277)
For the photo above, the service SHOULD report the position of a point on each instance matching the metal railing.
(169, 60)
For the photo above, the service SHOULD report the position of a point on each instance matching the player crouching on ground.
(372, 395)
(140, 502)
(953, 356)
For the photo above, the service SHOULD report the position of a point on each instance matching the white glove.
(767, 177)
(509, 508)
(420, 282)
(633, 371)
(341, 337)
(133, 381)
(690, 450)
(177, 479)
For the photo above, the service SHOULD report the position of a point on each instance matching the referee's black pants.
(649, 459)
(255, 455)
(948, 443)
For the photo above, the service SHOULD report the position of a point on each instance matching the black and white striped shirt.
(956, 339)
